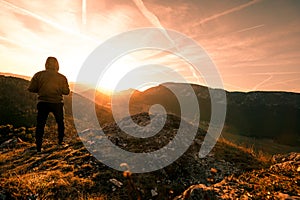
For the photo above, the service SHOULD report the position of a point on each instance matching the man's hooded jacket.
(49, 84)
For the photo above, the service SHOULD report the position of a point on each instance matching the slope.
(273, 115)
(71, 172)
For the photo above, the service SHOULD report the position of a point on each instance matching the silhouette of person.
(50, 87)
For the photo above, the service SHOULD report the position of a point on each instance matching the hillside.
(71, 172)
(15, 75)
(18, 106)
(273, 115)
(255, 118)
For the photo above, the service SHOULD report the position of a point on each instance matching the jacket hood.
(52, 64)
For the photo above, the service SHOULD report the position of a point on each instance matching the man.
(50, 86)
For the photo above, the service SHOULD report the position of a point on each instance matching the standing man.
(50, 87)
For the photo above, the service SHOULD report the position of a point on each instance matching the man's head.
(52, 63)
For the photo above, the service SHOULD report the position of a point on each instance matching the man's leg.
(58, 112)
(43, 112)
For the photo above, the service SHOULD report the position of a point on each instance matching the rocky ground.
(279, 181)
(71, 172)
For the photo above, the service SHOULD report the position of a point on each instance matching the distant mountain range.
(274, 115)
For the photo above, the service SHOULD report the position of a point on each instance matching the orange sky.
(254, 44)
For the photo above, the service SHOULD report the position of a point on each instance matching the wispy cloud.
(46, 21)
(262, 82)
(153, 19)
(235, 35)
(277, 73)
(235, 9)
(250, 28)
(282, 82)
(148, 14)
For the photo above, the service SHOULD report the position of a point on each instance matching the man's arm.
(33, 86)
(65, 87)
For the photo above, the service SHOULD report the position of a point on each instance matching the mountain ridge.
(273, 115)
(257, 114)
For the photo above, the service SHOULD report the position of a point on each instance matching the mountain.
(265, 114)
(71, 171)
(274, 115)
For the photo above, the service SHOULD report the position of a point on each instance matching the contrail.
(233, 86)
(282, 82)
(276, 73)
(153, 19)
(47, 21)
(263, 82)
(227, 12)
(83, 11)
(250, 28)
(149, 15)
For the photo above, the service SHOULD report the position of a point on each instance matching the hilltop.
(71, 172)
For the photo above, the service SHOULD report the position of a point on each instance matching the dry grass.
(48, 185)
(245, 157)
(50, 175)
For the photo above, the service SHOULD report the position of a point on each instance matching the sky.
(254, 44)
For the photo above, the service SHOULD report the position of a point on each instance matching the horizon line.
(106, 91)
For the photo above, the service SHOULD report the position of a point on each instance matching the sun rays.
(254, 44)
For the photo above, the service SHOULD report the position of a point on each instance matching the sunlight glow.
(150, 66)
(232, 33)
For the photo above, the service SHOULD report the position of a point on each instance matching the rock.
(116, 182)
(199, 191)
(213, 170)
(9, 143)
(282, 195)
(20, 140)
(154, 192)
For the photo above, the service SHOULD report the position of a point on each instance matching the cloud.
(221, 14)
(248, 42)
(49, 22)
(262, 82)
(153, 19)
(250, 28)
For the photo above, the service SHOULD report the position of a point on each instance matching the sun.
(114, 73)
(144, 69)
